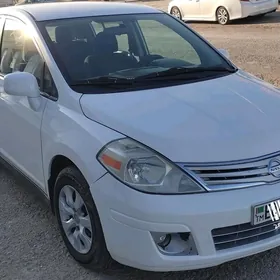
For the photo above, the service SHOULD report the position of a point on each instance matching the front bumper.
(128, 217)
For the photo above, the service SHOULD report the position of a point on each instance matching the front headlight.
(141, 168)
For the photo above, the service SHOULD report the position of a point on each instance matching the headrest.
(106, 42)
(63, 35)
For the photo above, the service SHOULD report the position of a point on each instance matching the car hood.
(223, 119)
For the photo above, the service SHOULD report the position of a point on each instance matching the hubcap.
(176, 13)
(222, 16)
(75, 219)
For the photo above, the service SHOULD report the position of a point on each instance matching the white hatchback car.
(152, 147)
(222, 11)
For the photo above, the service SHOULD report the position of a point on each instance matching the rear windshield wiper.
(179, 71)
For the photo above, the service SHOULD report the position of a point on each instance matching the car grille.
(243, 234)
(225, 175)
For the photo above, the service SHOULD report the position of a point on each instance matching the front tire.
(79, 221)
(176, 12)
(222, 16)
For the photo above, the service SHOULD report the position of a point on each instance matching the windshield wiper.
(105, 81)
(174, 73)
(179, 71)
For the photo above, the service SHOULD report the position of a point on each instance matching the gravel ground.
(30, 244)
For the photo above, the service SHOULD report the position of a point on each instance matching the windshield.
(128, 47)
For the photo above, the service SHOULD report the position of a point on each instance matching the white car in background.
(222, 11)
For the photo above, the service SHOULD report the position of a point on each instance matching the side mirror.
(224, 53)
(21, 84)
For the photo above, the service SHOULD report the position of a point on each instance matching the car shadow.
(227, 271)
(125, 273)
(267, 19)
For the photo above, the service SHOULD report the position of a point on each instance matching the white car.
(152, 147)
(222, 11)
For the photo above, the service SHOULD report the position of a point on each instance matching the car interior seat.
(72, 52)
(106, 58)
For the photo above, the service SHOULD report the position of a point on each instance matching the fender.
(71, 134)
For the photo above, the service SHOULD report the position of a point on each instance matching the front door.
(20, 139)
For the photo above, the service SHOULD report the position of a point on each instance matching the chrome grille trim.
(243, 234)
(231, 162)
(232, 175)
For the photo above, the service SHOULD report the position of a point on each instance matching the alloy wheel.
(75, 219)
(222, 15)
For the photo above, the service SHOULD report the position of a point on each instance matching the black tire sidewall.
(71, 176)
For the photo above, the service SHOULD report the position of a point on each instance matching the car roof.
(51, 11)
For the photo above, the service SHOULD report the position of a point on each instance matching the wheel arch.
(57, 164)
(57, 156)
(218, 7)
